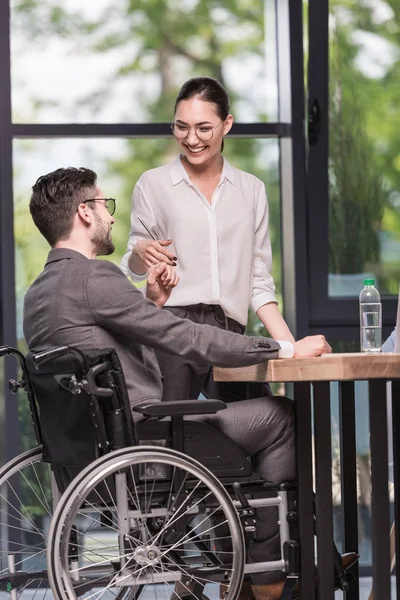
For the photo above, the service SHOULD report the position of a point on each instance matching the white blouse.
(223, 248)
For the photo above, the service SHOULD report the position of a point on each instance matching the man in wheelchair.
(89, 304)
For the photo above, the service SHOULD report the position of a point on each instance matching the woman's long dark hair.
(209, 90)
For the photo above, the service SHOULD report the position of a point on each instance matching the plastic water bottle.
(370, 318)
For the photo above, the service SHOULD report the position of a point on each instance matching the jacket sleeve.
(263, 290)
(117, 306)
(140, 207)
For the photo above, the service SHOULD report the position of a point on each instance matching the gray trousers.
(264, 428)
(183, 379)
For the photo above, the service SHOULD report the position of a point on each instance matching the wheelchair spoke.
(28, 585)
(37, 588)
(105, 589)
(137, 501)
(197, 579)
(175, 515)
(178, 492)
(25, 517)
(31, 556)
(186, 539)
(170, 589)
(148, 504)
(96, 521)
(42, 502)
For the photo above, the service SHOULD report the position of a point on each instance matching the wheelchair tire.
(25, 512)
(154, 533)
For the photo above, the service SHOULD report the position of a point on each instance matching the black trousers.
(184, 379)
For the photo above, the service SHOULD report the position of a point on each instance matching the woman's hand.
(312, 345)
(152, 253)
(161, 280)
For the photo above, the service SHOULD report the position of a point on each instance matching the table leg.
(348, 473)
(302, 395)
(380, 516)
(323, 498)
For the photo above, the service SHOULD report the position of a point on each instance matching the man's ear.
(85, 213)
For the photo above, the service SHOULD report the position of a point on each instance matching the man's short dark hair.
(55, 200)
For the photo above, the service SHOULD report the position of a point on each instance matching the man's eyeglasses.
(109, 203)
(203, 132)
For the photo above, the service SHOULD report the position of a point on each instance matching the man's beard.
(101, 239)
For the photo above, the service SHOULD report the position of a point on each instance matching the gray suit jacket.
(91, 304)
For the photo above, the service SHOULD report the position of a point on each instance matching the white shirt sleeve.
(286, 349)
(141, 208)
(263, 290)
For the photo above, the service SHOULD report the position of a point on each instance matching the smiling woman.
(210, 221)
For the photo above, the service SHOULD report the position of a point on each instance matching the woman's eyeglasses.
(109, 203)
(203, 132)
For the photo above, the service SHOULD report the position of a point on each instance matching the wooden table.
(311, 378)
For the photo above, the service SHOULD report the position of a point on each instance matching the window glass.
(136, 56)
(364, 159)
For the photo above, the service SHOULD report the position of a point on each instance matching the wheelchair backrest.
(70, 428)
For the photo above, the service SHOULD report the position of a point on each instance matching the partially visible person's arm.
(263, 299)
(312, 345)
(274, 323)
(263, 286)
(389, 344)
(143, 252)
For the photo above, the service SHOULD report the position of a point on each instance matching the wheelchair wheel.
(154, 516)
(25, 513)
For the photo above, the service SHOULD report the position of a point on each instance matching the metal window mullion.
(317, 167)
(289, 23)
(11, 435)
(138, 130)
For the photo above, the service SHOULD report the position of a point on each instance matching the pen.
(154, 237)
(147, 229)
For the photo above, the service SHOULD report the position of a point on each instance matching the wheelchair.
(163, 507)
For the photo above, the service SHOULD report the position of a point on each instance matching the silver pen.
(147, 229)
(154, 238)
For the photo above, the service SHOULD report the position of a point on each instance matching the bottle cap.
(369, 281)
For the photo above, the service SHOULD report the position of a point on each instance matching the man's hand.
(151, 253)
(312, 345)
(160, 281)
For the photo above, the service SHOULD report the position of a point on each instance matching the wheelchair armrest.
(180, 407)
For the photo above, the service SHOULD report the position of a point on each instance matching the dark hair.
(210, 90)
(55, 200)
